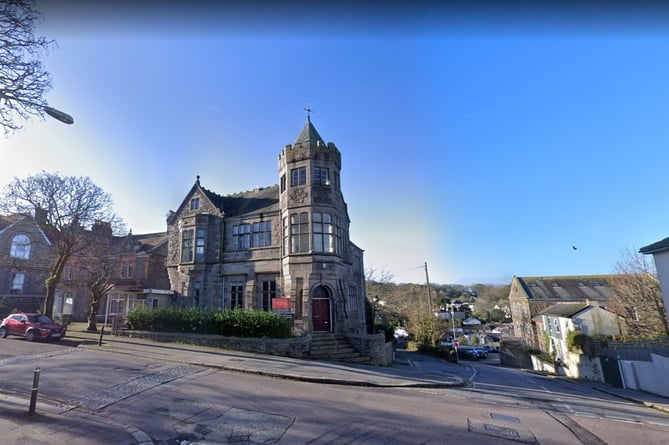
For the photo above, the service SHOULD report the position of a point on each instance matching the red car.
(32, 327)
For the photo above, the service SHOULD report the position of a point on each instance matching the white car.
(401, 333)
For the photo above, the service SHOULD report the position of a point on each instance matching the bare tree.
(67, 208)
(636, 296)
(379, 276)
(23, 79)
(97, 266)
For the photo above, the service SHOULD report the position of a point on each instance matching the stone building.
(139, 274)
(25, 256)
(284, 247)
(529, 296)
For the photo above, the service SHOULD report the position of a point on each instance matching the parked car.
(32, 327)
(401, 333)
(468, 353)
(480, 352)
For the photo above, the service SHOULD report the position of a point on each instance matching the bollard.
(33, 394)
(102, 331)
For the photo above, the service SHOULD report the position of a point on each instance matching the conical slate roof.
(309, 135)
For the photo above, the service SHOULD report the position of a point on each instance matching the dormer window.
(195, 203)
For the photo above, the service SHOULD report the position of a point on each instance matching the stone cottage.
(284, 248)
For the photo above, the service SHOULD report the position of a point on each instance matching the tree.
(23, 80)
(491, 302)
(97, 266)
(67, 208)
(636, 296)
(378, 276)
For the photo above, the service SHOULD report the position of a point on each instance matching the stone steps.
(334, 347)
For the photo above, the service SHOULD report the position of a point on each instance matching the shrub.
(236, 322)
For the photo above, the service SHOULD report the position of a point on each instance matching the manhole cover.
(503, 432)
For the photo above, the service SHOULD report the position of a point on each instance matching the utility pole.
(429, 297)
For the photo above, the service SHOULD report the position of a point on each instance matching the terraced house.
(284, 247)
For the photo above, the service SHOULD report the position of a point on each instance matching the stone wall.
(375, 346)
(296, 347)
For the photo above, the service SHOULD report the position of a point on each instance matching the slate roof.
(148, 242)
(566, 310)
(309, 135)
(659, 246)
(251, 202)
(8, 220)
(586, 287)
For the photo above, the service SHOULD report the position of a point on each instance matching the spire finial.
(309, 111)
(197, 180)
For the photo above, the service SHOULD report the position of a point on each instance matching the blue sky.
(482, 141)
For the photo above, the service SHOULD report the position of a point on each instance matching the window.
(126, 270)
(285, 235)
(323, 232)
(262, 234)
(283, 183)
(195, 203)
(339, 235)
(197, 287)
(268, 292)
(237, 295)
(336, 179)
(352, 298)
(20, 247)
(199, 245)
(298, 176)
(299, 232)
(17, 283)
(68, 272)
(241, 236)
(321, 176)
(187, 246)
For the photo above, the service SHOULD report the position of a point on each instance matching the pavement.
(51, 424)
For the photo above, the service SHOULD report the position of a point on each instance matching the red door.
(320, 314)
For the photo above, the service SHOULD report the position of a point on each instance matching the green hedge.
(234, 323)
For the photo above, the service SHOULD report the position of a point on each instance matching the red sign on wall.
(280, 303)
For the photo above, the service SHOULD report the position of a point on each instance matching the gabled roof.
(9, 220)
(657, 247)
(251, 202)
(569, 288)
(309, 135)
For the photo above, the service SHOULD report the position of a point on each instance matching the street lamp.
(58, 115)
(53, 112)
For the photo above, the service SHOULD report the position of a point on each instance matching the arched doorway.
(320, 309)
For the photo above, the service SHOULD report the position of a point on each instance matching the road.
(176, 403)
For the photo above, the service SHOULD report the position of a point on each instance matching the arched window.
(20, 247)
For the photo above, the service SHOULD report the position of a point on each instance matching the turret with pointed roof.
(289, 241)
(309, 136)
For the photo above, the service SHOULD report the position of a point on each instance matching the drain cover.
(501, 431)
